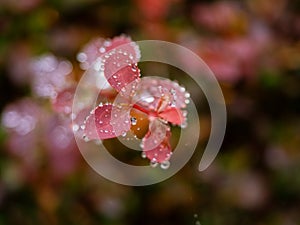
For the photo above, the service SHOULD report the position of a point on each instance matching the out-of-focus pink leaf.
(64, 100)
(49, 75)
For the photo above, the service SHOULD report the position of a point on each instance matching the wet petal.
(159, 94)
(120, 70)
(156, 145)
(107, 121)
(173, 115)
(99, 47)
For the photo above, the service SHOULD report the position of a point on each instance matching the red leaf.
(107, 121)
(156, 143)
(120, 69)
(172, 115)
(99, 47)
(158, 94)
(123, 77)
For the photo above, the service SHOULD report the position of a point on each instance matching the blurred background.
(253, 48)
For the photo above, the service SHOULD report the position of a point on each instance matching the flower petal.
(107, 121)
(159, 94)
(173, 115)
(98, 47)
(120, 69)
(156, 143)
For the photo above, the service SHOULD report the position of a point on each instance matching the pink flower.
(148, 102)
(41, 142)
(50, 75)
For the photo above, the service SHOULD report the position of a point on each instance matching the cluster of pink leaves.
(121, 91)
(159, 100)
(40, 140)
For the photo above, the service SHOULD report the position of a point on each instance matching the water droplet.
(82, 127)
(133, 68)
(187, 101)
(142, 145)
(183, 125)
(107, 43)
(75, 127)
(85, 138)
(149, 99)
(153, 163)
(143, 154)
(124, 133)
(187, 95)
(81, 57)
(182, 89)
(114, 76)
(102, 50)
(133, 121)
(197, 222)
(165, 165)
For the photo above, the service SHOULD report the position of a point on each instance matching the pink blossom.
(156, 101)
(154, 10)
(49, 75)
(222, 16)
(33, 133)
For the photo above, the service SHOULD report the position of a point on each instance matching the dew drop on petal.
(165, 165)
(187, 95)
(81, 57)
(75, 127)
(183, 125)
(85, 138)
(102, 50)
(153, 163)
(133, 121)
(143, 154)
